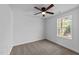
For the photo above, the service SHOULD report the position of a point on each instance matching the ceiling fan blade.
(50, 12)
(37, 13)
(37, 8)
(49, 6)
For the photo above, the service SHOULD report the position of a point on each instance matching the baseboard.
(26, 42)
(63, 46)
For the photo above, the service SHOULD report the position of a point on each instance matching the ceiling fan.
(44, 10)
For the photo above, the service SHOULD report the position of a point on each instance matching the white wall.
(51, 30)
(5, 30)
(18, 27)
(27, 28)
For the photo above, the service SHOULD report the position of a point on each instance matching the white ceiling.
(29, 8)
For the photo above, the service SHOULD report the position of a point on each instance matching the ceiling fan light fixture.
(43, 13)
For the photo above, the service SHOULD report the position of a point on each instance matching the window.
(64, 27)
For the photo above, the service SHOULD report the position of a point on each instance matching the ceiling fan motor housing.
(43, 9)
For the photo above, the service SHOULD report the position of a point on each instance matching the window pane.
(64, 27)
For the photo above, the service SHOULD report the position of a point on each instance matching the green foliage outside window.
(64, 27)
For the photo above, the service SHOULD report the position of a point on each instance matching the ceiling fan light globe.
(43, 13)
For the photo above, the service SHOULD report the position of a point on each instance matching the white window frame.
(60, 19)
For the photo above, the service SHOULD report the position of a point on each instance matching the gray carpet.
(42, 47)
